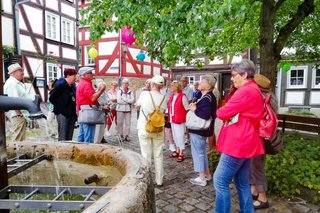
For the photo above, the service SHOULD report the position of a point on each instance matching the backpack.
(272, 137)
(156, 119)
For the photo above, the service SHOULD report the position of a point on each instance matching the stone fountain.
(134, 192)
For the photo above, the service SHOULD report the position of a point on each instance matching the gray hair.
(125, 80)
(211, 81)
(245, 66)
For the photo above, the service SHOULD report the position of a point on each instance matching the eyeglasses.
(234, 75)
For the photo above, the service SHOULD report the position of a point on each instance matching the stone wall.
(134, 192)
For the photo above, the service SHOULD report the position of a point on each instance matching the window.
(53, 72)
(52, 26)
(67, 31)
(316, 76)
(87, 59)
(191, 80)
(297, 77)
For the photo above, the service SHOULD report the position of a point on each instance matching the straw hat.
(263, 82)
(14, 67)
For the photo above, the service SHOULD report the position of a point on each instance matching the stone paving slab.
(179, 195)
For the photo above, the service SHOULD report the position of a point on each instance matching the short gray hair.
(211, 81)
(244, 66)
(125, 80)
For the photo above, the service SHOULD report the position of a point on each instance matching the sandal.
(258, 204)
(180, 158)
(173, 154)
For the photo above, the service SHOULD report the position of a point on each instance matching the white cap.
(157, 79)
(85, 70)
(14, 67)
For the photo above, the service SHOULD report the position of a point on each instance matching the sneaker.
(208, 177)
(198, 181)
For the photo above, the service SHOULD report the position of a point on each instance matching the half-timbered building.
(45, 38)
(116, 59)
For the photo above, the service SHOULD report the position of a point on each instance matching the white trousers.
(123, 123)
(151, 144)
(178, 131)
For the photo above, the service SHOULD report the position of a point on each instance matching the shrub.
(296, 167)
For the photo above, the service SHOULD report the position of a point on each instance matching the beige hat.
(14, 67)
(157, 79)
(263, 82)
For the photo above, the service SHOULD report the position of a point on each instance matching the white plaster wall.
(69, 53)
(236, 59)
(26, 43)
(165, 75)
(40, 42)
(7, 31)
(35, 19)
(114, 68)
(156, 71)
(106, 48)
(7, 6)
(54, 49)
(68, 10)
(216, 60)
(52, 4)
(110, 34)
(86, 35)
(36, 66)
(22, 24)
(295, 97)
(129, 68)
(147, 70)
(315, 97)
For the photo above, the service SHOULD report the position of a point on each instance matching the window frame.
(58, 71)
(63, 19)
(305, 77)
(87, 57)
(191, 76)
(57, 27)
(314, 76)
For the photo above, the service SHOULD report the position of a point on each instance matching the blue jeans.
(198, 151)
(233, 168)
(86, 132)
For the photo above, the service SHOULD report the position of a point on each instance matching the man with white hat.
(86, 95)
(15, 88)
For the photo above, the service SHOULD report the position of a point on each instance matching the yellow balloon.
(93, 52)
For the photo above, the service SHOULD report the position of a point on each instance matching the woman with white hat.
(151, 144)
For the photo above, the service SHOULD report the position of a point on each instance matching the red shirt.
(179, 115)
(84, 93)
(241, 139)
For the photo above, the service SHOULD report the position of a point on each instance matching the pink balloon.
(127, 35)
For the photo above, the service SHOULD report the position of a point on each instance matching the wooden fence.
(308, 124)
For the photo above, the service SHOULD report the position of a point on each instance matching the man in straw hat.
(15, 88)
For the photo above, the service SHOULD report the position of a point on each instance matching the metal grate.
(21, 163)
(57, 203)
(36, 197)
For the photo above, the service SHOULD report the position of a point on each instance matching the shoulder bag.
(91, 114)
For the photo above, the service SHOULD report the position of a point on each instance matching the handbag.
(91, 114)
(274, 144)
(194, 122)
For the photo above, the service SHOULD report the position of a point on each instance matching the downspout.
(16, 18)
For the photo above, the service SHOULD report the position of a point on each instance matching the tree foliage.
(181, 29)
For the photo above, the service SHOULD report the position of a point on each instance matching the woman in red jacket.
(177, 108)
(238, 140)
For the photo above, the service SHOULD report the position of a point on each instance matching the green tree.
(175, 30)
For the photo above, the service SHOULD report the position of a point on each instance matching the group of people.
(241, 148)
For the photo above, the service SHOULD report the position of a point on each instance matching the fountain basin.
(134, 192)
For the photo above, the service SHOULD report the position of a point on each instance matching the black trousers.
(66, 126)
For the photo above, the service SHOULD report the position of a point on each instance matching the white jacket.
(124, 101)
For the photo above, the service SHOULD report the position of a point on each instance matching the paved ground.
(178, 195)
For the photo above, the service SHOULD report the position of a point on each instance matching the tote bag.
(194, 122)
(90, 114)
